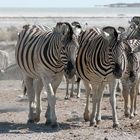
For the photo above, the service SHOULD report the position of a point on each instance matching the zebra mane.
(111, 30)
(76, 24)
(70, 33)
(26, 27)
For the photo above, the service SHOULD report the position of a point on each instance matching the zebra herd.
(97, 56)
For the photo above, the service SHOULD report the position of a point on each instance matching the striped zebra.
(77, 28)
(130, 81)
(133, 31)
(135, 19)
(99, 62)
(74, 80)
(42, 55)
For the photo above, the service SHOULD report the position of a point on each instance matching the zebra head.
(69, 48)
(133, 31)
(121, 33)
(133, 62)
(135, 19)
(76, 28)
(118, 54)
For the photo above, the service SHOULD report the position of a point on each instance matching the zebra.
(11, 72)
(74, 80)
(42, 55)
(99, 61)
(130, 81)
(135, 19)
(77, 28)
(133, 31)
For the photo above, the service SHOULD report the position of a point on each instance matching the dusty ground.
(14, 113)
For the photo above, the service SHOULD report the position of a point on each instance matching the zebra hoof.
(48, 122)
(55, 125)
(98, 121)
(135, 113)
(93, 124)
(30, 121)
(131, 116)
(37, 119)
(66, 98)
(86, 116)
(126, 115)
(115, 125)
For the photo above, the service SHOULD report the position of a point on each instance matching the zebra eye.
(131, 27)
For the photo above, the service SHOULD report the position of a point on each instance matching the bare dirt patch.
(14, 114)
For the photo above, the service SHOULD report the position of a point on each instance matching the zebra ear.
(111, 31)
(136, 49)
(121, 29)
(76, 28)
(77, 31)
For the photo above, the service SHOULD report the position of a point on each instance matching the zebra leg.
(100, 91)
(95, 99)
(112, 87)
(38, 88)
(78, 88)
(31, 96)
(55, 83)
(118, 88)
(88, 90)
(132, 98)
(67, 89)
(50, 114)
(72, 86)
(135, 101)
(125, 93)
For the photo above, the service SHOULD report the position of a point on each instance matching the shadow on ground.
(14, 128)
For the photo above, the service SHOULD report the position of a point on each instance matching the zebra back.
(98, 56)
(39, 49)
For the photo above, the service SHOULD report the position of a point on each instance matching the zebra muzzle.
(69, 69)
(117, 71)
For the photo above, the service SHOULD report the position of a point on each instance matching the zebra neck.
(50, 53)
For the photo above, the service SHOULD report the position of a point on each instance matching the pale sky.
(58, 3)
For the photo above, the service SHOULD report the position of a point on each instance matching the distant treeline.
(123, 5)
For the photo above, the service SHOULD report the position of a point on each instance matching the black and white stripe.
(43, 53)
(130, 80)
(100, 61)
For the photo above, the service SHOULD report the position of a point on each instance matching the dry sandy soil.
(14, 114)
